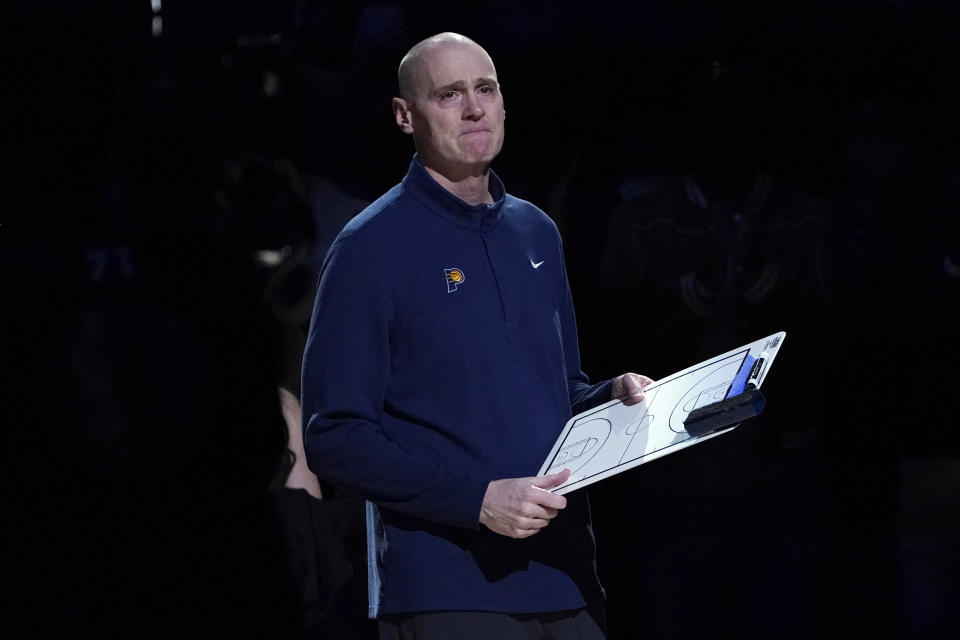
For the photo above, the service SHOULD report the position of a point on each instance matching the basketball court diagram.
(614, 437)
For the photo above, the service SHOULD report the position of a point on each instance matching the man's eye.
(449, 96)
(485, 90)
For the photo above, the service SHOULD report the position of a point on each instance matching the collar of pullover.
(423, 187)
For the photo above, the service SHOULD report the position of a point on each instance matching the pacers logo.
(455, 278)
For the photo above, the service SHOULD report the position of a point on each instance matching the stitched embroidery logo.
(455, 278)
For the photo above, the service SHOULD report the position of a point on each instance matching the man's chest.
(475, 292)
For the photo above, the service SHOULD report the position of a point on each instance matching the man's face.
(456, 116)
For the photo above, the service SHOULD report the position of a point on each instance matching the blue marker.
(743, 375)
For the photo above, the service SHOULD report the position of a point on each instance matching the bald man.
(441, 365)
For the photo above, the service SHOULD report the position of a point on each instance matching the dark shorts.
(581, 624)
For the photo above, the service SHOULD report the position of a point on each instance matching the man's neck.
(472, 188)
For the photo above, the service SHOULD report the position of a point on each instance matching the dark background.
(154, 149)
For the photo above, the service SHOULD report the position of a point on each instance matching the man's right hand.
(520, 507)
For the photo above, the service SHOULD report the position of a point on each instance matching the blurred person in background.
(726, 539)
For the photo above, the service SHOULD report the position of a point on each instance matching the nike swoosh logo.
(535, 265)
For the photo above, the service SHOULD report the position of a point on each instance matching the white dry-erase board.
(614, 437)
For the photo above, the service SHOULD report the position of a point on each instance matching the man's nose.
(472, 109)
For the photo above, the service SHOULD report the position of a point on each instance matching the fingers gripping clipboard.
(700, 402)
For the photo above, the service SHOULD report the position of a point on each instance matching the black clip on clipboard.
(743, 400)
(726, 412)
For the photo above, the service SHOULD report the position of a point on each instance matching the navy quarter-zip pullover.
(442, 355)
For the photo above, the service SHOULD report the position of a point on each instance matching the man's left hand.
(629, 387)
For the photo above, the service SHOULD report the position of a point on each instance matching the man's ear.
(403, 115)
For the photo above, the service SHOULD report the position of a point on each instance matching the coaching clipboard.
(614, 437)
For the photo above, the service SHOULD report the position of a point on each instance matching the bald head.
(452, 106)
(409, 72)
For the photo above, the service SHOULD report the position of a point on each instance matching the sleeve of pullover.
(345, 372)
(583, 395)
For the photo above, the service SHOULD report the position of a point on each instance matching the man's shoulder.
(387, 229)
(373, 216)
(383, 220)
(525, 213)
